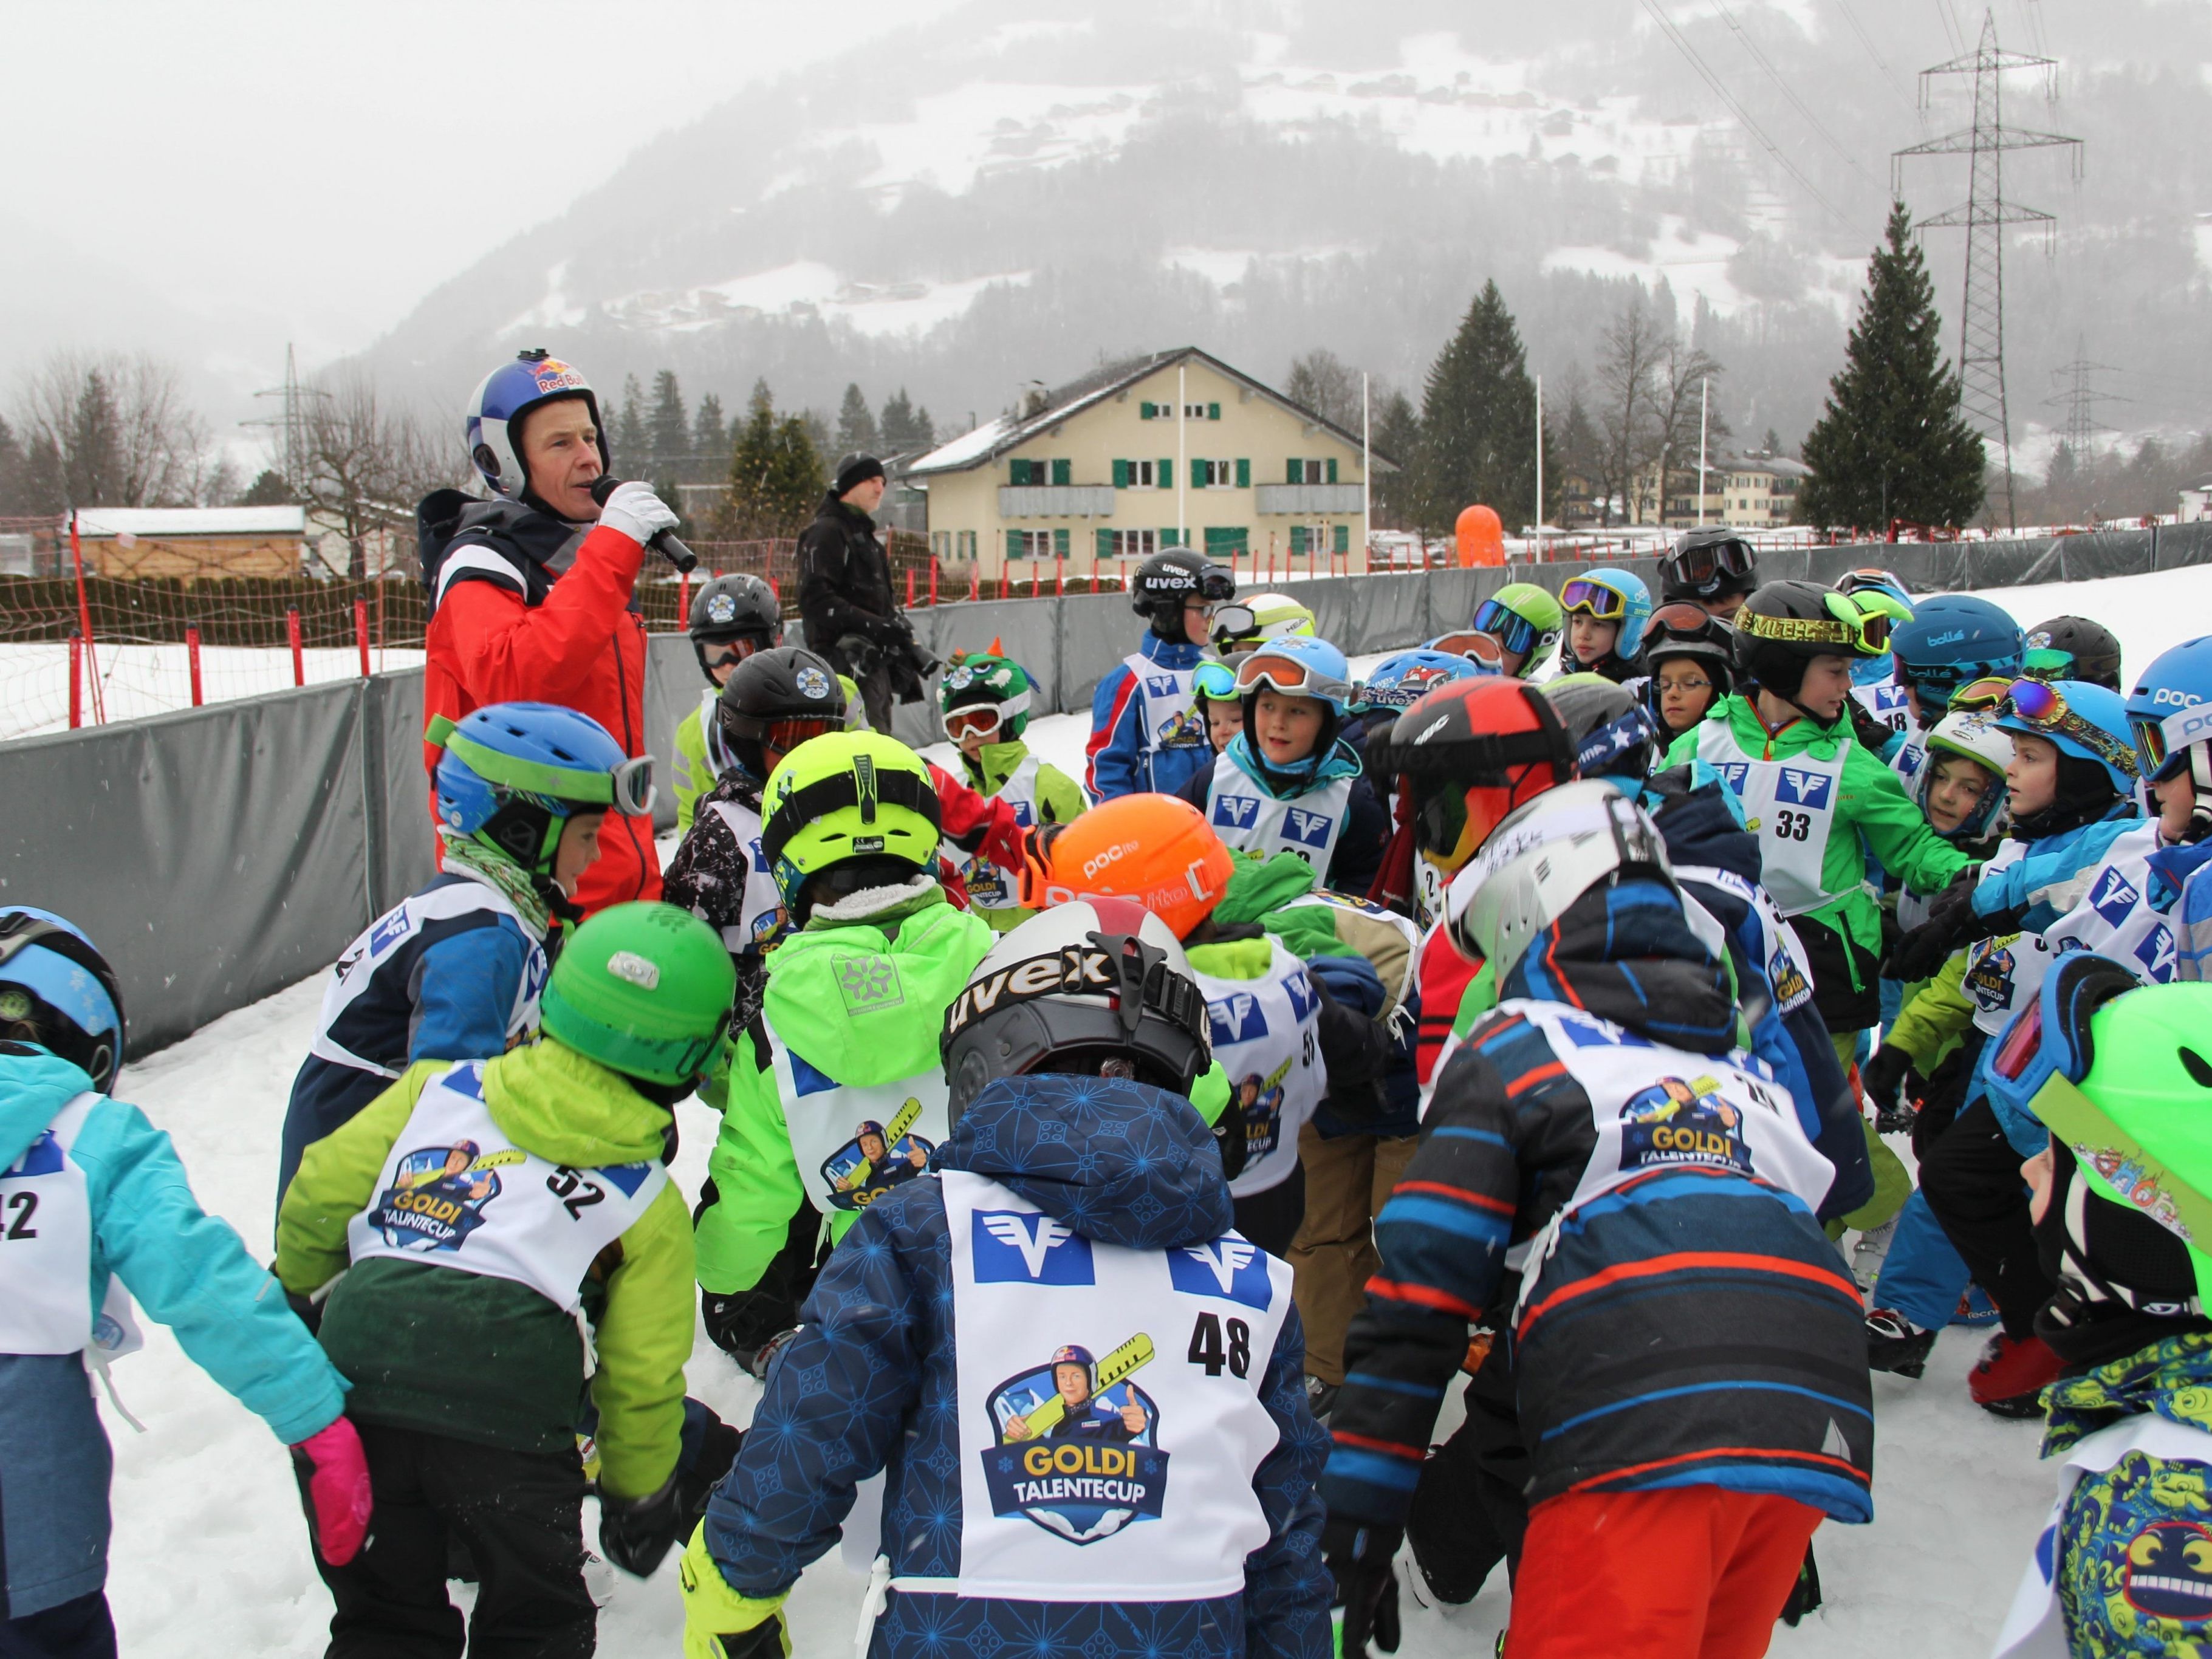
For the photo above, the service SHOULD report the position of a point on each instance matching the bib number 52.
(577, 1193)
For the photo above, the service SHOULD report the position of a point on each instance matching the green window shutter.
(1014, 544)
(1299, 534)
(1166, 474)
(1120, 475)
(1243, 473)
(1197, 473)
(1144, 411)
(1063, 472)
(1297, 470)
(1060, 544)
(1343, 539)
(1213, 412)
(1105, 543)
(1025, 472)
(1332, 476)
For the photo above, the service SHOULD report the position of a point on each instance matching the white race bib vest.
(1247, 818)
(992, 886)
(1167, 707)
(1110, 1415)
(456, 1192)
(2114, 915)
(1884, 699)
(1789, 969)
(2035, 1628)
(368, 954)
(46, 1242)
(1790, 805)
(855, 1143)
(761, 914)
(1431, 885)
(1654, 1108)
(1266, 1036)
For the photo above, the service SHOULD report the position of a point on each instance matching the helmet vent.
(2199, 1069)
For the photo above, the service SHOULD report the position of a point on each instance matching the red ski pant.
(1693, 1572)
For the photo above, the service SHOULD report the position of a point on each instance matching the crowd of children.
(1113, 1180)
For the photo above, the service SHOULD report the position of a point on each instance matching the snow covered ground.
(210, 1558)
(138, 680)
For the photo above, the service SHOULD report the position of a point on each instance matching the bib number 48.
(1207, 1350)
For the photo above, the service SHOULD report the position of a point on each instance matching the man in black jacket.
(845, 600)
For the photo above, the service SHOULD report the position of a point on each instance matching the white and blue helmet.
(505, 395)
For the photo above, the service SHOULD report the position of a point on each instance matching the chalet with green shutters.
(1175, 448)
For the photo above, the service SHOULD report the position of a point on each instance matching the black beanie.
(855, 469)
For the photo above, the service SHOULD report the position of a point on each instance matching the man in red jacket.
(533, 592)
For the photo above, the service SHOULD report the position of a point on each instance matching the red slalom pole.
(974, 583)
(299, 661)
(84, 625)
(76, 680)
(361, 633)
(909, 588)
(932, 579)
(192, 661)
(1059, 575)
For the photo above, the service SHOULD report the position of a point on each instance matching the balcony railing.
(1056, 501)
(1303, 498)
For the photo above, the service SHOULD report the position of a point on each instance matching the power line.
(1742, 115)
(1865, 39)
(1786, 90)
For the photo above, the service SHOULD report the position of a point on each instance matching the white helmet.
(1978, 736)
(1542, 858)
(1083, 983)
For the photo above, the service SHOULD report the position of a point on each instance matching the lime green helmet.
(1522, 617)
(844, 798)
(646, 989)
(1244, 624)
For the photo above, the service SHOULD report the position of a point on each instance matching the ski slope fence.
(222, 852)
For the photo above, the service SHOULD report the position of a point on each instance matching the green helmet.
(986, 679)
(645, 989)
(1524, 617)
(1245, 623)
(842, 797)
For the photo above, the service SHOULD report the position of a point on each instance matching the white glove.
(636, 511)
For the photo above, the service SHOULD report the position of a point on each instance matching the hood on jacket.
(1259, 889)
(1119, 1161)
(445, 516)
(1341, 760)
(566, 1106)
(862, 1000)
(1625, 953)
(35, 1086)
(1698, 823)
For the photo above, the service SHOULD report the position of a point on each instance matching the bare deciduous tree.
(1678, 384)
(1329, 386)
(1628, 437)
(126, 435)
(366, 466)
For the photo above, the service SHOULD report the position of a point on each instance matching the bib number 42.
(1208, 1350)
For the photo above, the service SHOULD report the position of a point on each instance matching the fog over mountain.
(1024, 187)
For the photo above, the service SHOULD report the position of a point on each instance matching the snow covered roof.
(1779, 466)
(160, 523)
(995, 437)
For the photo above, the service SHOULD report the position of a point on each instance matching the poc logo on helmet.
(1113, 855)
(2180, 699)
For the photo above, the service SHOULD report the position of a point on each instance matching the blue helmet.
(2084, 720)
(512, 774)
(1631, 608)
(1952, 639)
(502, 396)
(54, 982)
(2170, 711)
(1310, 668)
(1399, 682)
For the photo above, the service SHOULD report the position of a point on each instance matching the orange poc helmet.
(1156, 850)
(1467, 754)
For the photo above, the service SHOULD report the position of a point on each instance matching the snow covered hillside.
(211, 1558)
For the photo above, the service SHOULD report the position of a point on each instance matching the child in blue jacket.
(1148, 729)
(95, 1203)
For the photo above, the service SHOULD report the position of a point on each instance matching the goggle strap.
(2098, 1143)
(831, 794)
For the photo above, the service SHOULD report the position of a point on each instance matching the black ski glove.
(636, 1536)
(1889, 1078)
(1872, 734)
(1229, 1137)
(1366, 1587)
(1951, 923)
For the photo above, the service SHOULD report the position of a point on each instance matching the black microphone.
(665, 542)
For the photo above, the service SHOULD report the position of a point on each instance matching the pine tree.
(1577, 443)
(1892, 443)
(775, 475)
(633, 450)
(856, 425)
(668, 430)
(710, 437)
(268, 489)
(1478, 421)
(1397, 437)
(903, 431)
(925, 429)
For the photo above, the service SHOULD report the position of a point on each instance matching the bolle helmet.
(734, 608)
(986, 679)
(1073, 987)
(1540, 860)
(1952, 639)
(1169, 577)
(57, 991)
(2072, 648)
(1400, 681)
(1785, 624)
(645, 989)
(1254, 621)
(858, 801)
(1708, 564)
(1466, 756)
(2170, 717)
(1979, 738)
(502, 397)
(1611, 594)
(778, 699)
(1073, 1354)
(2086, 722)
(512, 774)
(1524, 617)
(1615, 735)
(1157, 849)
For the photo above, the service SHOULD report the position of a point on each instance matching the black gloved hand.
(1951, 923)
(637, 1534)
(1359, 1559)
(1873, 735)
(1890, 1079)
(1228, 1137)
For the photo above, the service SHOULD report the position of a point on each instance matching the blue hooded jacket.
(1124, 758)
(187, 1270)
(1116, 1162)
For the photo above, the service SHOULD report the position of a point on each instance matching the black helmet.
(1682, 630)
(1708, 564)
(1615, 735)
(1784, 625)
(734, 608)
(1169, 577)
(2094, 652)
(784, 686)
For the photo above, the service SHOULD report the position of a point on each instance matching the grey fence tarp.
(220, 854)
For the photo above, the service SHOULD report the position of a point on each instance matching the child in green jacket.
(985, 705)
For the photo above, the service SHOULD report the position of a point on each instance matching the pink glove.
(336, 1475)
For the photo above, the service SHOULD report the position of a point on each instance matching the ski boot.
(1871, 1250)
(2009, 1379)
(1896, 1345)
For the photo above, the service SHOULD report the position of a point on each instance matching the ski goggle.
(1264, 667)
(1709, 569)
(1232, 624)
(2041, 709)
(1847, 628)
(1594, 598)
(632, 792)
(1977, 696)
(1868, 576)
(1683, 620)
(72, 978)
(1484, 649)
(785, 735)
(715, 652)
(1507, 626)
(1216, 682)
(2161, 743)
(984, 717)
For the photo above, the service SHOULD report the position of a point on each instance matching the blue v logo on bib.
(1235, 1020)
(1734, 773)
(1235, 811)
(1800, 788)
(1307, 828)
(1232, 1268)
(2114, 897)
(1012, 1247)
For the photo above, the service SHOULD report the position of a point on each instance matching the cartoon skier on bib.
(1085, 1412)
